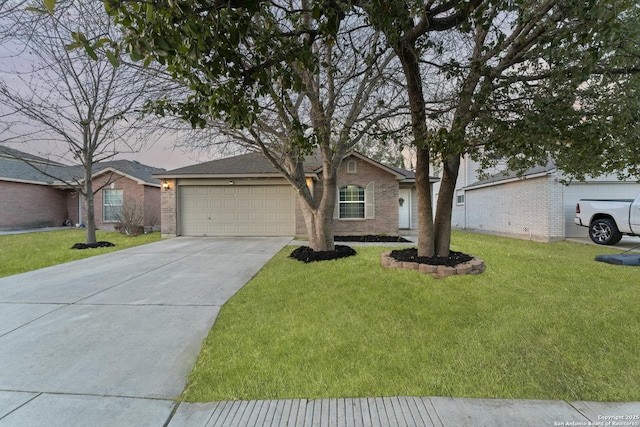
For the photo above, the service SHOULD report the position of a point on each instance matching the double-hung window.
(352, 202)
(112, 205)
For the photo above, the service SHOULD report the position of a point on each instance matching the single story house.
(246, 196)
(37, 192)
(538, 205)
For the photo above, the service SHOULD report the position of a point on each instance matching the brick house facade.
(30, 196)
(246, 195)
(360, 172)
(25, 205)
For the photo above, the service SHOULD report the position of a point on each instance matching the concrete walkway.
(110, 340)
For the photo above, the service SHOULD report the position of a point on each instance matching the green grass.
(545, 321)
(20, 253)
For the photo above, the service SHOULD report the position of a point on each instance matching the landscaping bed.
(306, 254)
(411, 255)
(92, 245)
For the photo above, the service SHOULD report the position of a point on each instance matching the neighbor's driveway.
(109, 340)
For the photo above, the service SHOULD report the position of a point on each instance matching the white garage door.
(266, 210)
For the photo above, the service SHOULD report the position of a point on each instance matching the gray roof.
(23, 167)
(131, 168)
(13, 168)
(509, 175)
(254, 164)
(244, 164)
(7, 152)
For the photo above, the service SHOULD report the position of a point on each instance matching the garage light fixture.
(166, 185)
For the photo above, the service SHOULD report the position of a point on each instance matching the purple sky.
(163, 155)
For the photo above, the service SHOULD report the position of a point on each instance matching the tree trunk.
(91, 218)
(318, 217)
(90, 206)
(426, 245)
(408, 56)
(320, 236)
(444, 208)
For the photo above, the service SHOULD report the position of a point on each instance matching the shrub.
(130, 220)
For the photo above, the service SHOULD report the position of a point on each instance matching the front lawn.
(30, 251)
(545, 321)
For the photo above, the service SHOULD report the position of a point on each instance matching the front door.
(404, 208)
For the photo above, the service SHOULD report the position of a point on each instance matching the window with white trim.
(112, 205)
(351, 202)
(460, 198)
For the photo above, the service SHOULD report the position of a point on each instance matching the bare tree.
(65, 101)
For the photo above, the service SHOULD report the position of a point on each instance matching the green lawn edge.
(20, 253)
(545, 321)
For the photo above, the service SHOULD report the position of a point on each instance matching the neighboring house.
(36, 192)
(246, 196)
(536, 205)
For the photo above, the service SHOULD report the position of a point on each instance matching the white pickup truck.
(609, 220)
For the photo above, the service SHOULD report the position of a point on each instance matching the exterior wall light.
(166, 185)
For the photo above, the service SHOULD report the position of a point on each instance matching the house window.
(460, 198)
(112, 201)
(351, 202)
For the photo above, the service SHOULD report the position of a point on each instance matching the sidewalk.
(406, 411)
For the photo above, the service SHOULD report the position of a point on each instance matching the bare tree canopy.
(64, 101)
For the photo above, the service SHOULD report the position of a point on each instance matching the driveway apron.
(110, 340)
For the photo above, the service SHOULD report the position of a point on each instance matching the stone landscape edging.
(475, 266)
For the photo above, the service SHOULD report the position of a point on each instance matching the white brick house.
(535, 206)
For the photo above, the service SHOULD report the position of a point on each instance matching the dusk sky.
(162, 154)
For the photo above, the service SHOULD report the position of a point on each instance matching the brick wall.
(386, 201)
(29, 205)
(168, 213)
(144, 197)
(530, 209)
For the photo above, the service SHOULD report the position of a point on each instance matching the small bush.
(130, 221)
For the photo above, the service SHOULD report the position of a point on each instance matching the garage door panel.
(237, 210)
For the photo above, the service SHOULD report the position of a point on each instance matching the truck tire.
(604, 231)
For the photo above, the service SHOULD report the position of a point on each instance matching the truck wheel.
(604, 231)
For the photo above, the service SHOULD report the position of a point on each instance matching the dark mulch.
(370, 238)
(92, 245)
(411, 255)
(306, 254)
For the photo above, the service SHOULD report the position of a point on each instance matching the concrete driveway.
(110, 340)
